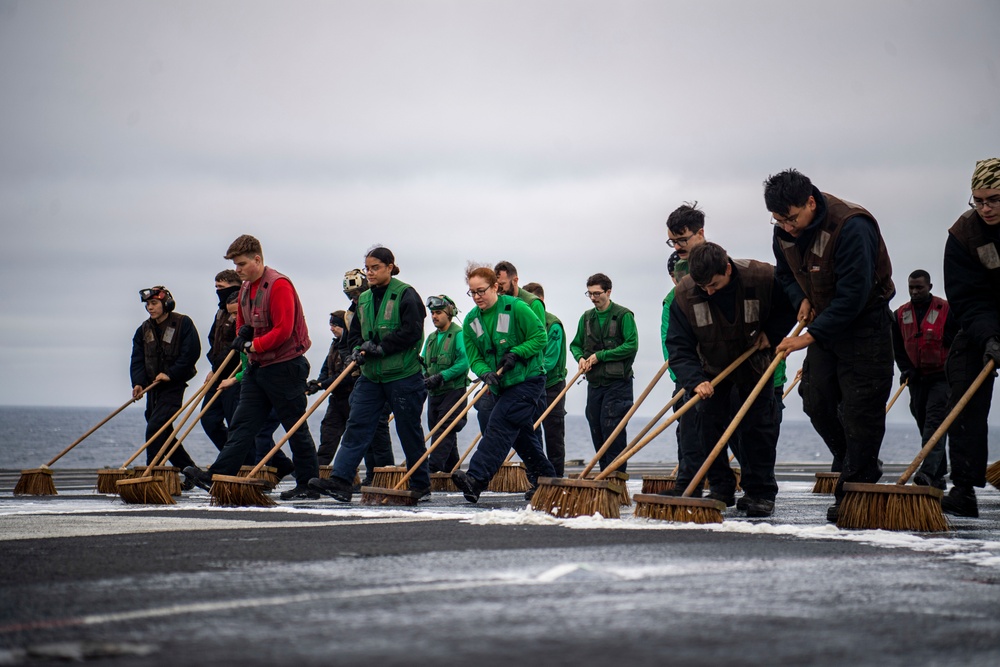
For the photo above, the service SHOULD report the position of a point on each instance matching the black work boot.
(200, 478)
(470, 487)
(961, 501)
(335, 487)
(832, 512)
(758, 507)
(300, 492)
(727, 499)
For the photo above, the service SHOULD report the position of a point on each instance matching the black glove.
(243, 339)
(509, 360)
(992, 351)
(312, 387)
(372, 349)
(491, 379)
(357, 358)
(909, 375)
(432, 382)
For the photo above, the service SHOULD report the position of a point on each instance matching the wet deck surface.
(318, 583)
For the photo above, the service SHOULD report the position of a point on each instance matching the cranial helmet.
(355, 282)
(160, 293)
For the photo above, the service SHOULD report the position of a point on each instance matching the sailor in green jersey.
(554, 364)
(605, 346)
(446, 378)
(505, 342)
(390, 318)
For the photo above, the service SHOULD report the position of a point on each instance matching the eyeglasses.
(594, 295)
(673, 243)
(789, 221)
(374, 267)
(478, 292)
(992, 203)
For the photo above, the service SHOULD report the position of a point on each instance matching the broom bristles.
(619, 484)
(567, 499)
(386, 477)
(144, 491)
(107, 478)
(36, 482)
(510, 478)
(658, 483)
(233, 491)
(373, 495)
(170, 476)
(678, 510)
(993, 474)
(892, 507)
(826, 483)
(441, 481)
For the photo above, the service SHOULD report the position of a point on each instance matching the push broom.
(567, 498)
(38, 481)
(621, 478)
(685, 508)
(150, 488)
(249, 490)
(439, 483)
(374, 495)
(107, 477)
(826, 482)
(899, 506)
(388, 476)
(512, 477)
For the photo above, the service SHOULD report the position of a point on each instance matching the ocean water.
(31, 436)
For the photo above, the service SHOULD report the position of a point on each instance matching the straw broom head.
(145, 490)
(569, 498)
(36, 482)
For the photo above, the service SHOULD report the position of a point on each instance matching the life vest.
(257, 313)
(720, 342)
(374, 326)
(558, 372)
(969, 230)
(161, 346)
(924, 341)
(223, 335)
(492, 345)
(530, 299)
(440, 355)
(814, 270)
(608, 337)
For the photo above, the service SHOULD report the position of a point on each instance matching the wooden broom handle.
(624, 420)
(896, 395)
(627, 454)
(467, 452)
(472, 388)
(302, 420)
(440, 439)
(768, 376)
(659, 415)
(159, 432)
(946, 424)
(549, 409)
(798, 376)
(190, 427)
(100, 424)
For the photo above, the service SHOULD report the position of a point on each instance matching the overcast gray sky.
(138, 139)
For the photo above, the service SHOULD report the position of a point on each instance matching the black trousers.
(331, 429)
(554, 428)
(929, 407)
(606, 407)
(219, 417)
(969, 433)
(845, 386)
(281, 387)
(161, 403)
(445, 455)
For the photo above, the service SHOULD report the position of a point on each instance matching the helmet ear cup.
(168, 303)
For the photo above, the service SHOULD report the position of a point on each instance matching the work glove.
(372, 349)
(509, 360)
(312, 387)
(243, 339)
(357, 358)
(491, 379)
(432, 382)
(992, 352)
(911, 375)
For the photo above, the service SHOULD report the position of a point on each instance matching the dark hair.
(707, 260)
(233, 297)
(228, 276)
(244, 245)
(920, 273)
(688, 216)
(507, 268)
(599, 279)
(535, 289)
(787, 189)
(384, 255)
